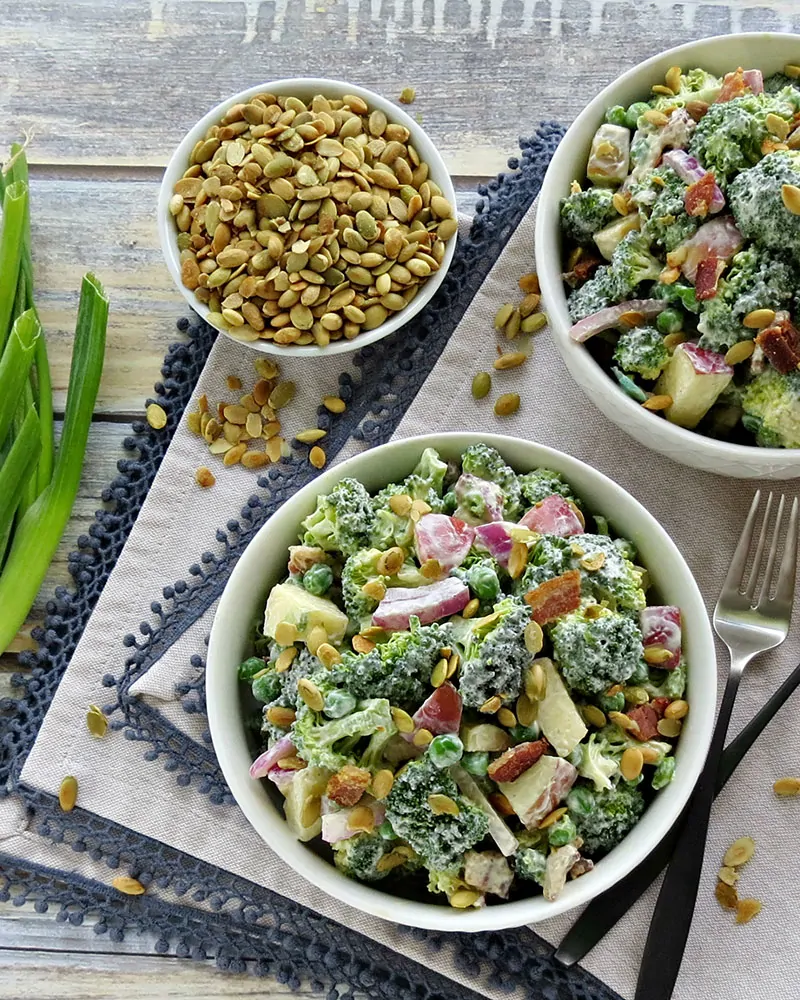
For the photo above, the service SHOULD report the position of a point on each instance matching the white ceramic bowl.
(768, 52)
(305, 89)
(264, 563)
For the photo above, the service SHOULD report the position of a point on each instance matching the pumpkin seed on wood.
(156, 416)
(128, 886)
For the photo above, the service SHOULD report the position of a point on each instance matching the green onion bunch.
(38, 482)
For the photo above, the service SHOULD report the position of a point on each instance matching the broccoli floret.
(584, 212)
(530, 863)
(680, 293)
(361, 568)
(332, 743)
(596, 762)
(618, 741)
(728, 137)
(599, 292)
(666, 683)
(757, 279)
(641, 350)
(493, 654)
(771, 404)
(479, 501)
(562, 832)
(432, 470)
(695, 85)
(632, 263)
(757, 205)
(389, 528)
(604, 818)
(541, 483)
(342, 520)
(441, 839)
(550, 557)
(784, 87)
(595, 652)
(485, 462)
(358, 856)
(280, 689)
(482, 575)
(399, 669)
(661, 197)
(664, 773)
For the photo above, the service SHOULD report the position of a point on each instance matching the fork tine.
(762, 537)
(786, 579)
(733, 580)
(766, 586)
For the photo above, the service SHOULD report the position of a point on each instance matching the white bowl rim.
(180, 158)
(576, 356)
(433, 915)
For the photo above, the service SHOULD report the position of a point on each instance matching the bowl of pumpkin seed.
(307, 217)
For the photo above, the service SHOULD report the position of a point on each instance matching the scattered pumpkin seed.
(512, 359)
(442, 805)
(204, 477)
(553, 817)
(594, 717)
(334, 404)
(491, 705)
(670, 727)
(631, 763)
(96, 721)
(503, 315)
(526, 710)
(471, 608)
(422, 737)
(310, 693)
(156, 416)
(790, 193)
(787, 786)
(407, 95)
(129, 886)
(740, 352)
(740, 852)
(746, 909)
(677, 709)
(727, 897)
(534, 637)
(507, 404)
(382, 784)
(506, 718)
(68, 793)
(728, 875)
(403, 721)
(462, 899)
(535, 681)
(317, 457)
(280, 716)
(481, 384)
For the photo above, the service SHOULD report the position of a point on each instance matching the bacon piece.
(659, 706)
(646, 718)
(553, 516)
(347, 786)
(554, 598)
(488, 871)
(661, 626)
(718, 238)
(495, 539)
(583, 269)
(689, 170)
(707, 277)
(754, 79)
(429, 604)
(733, 85)
(701, 195)
(440, 712)
(444, 538)
(781, 344)
(513, 762)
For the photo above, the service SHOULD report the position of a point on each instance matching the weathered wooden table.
(105, 89)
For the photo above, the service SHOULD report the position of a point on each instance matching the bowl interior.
(305, 89)
(263, 564)
(768, 52)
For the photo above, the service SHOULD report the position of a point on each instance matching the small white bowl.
(720, 55)
(264, 563)
(305, 89)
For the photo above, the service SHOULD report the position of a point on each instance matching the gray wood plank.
(131, 78)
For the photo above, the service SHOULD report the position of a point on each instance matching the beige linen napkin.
(703, 513)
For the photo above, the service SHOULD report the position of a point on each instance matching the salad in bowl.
(682, 252)
(463, 684)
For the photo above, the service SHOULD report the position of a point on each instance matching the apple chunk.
(694, 378)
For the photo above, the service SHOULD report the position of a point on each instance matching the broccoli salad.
(683, 253)
(461, 685)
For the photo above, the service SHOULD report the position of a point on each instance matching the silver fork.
(750, 619)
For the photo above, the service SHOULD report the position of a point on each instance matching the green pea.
(612, 703)
(476, 763)
(664, 773)
(634, 113)
(562, 832)
(628, 386)
(484, 584)
(670, 321)
(449, 502)
(386, 830)
(525, 734)
(445, 750)
(318, 579)
(617, 116)
(267, 687)
(338, 704)
(250, 667)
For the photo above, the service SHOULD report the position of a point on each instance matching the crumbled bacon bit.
(734, 85)
(347, 786)
(511, 764)
(556, 597)
(699, 196)
(781, 344)
(646, 718)
(707, 277)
